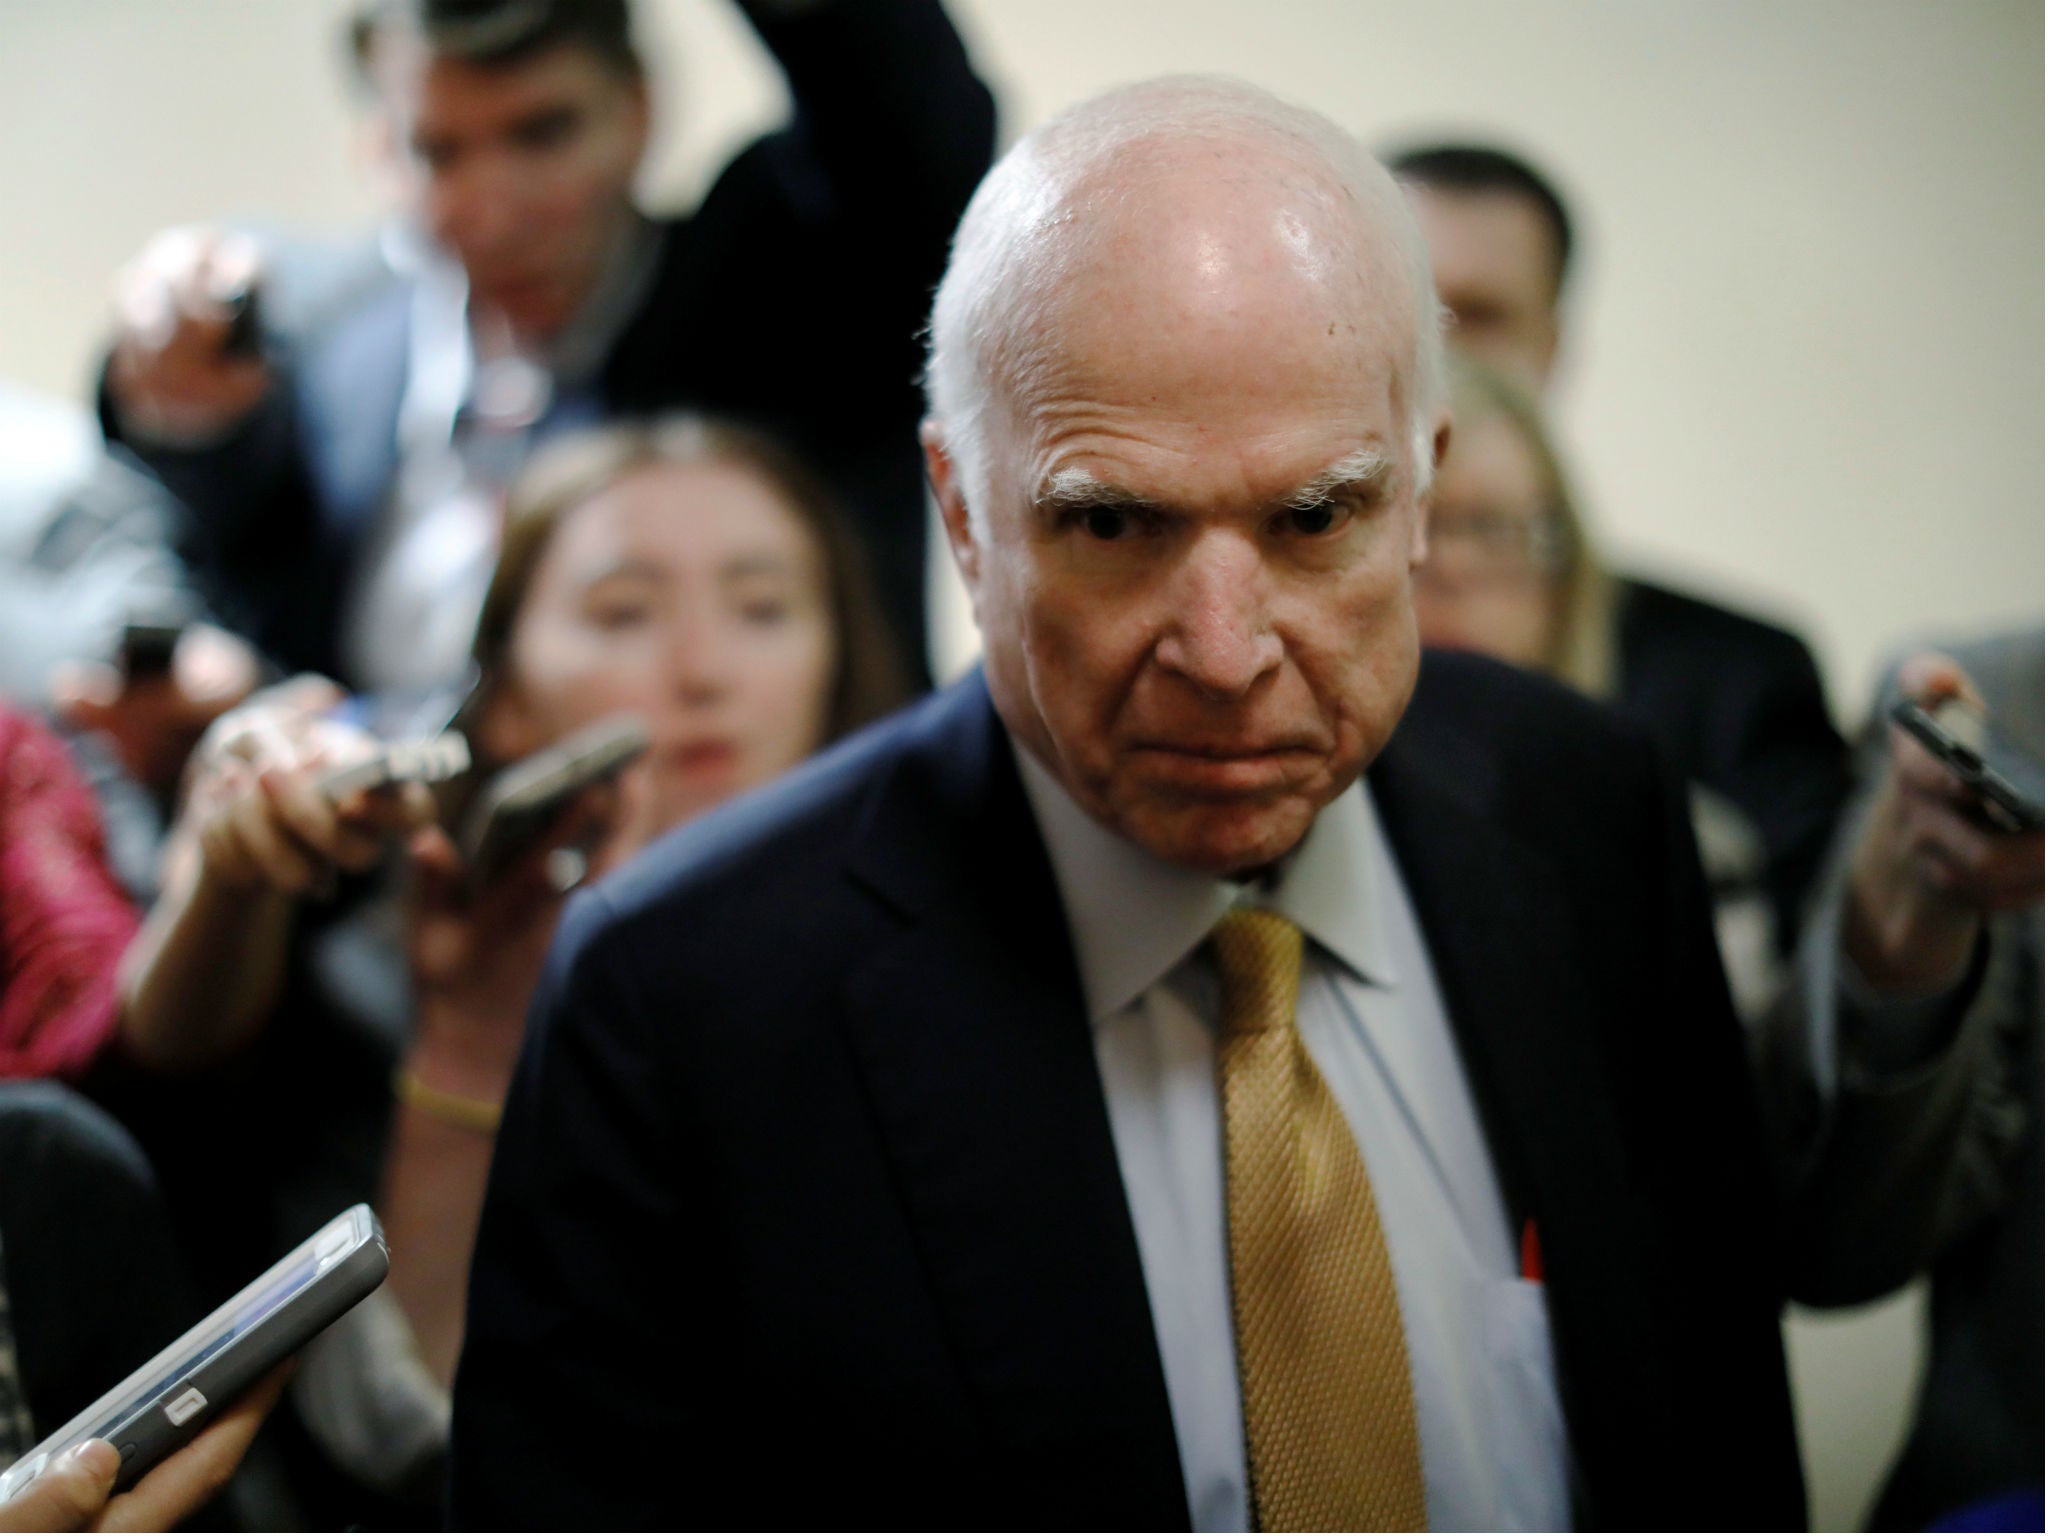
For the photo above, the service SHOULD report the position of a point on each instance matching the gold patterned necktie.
(1329, 1411)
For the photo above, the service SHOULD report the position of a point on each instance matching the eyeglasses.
(1502, 543)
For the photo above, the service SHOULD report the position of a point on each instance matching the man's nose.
(476, 209)
(1220, 636)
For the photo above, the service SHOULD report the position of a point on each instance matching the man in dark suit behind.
(343, 478)
(1093, 1099)
(1735, 702)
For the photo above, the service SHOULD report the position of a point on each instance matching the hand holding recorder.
(485, 898)
(282, 799)
(169, 682)
(186, 367)
(283, 795)
(1954, 834)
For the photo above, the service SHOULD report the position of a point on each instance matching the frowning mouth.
(1223, 771)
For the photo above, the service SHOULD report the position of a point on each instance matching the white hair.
(1010, 239)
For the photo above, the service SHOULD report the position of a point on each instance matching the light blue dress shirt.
(1493, 1443)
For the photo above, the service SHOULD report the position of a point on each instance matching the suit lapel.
(353, 384)
(1511, 965)
(972, 1038)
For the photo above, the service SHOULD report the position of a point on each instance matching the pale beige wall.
(1806, 365)
(1806, 359)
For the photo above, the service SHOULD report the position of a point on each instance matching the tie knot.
(1258, 959)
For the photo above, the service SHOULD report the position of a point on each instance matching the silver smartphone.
(169, 1400)
(429, 760)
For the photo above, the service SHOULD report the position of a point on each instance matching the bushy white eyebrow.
(1368, 468)
(1078, 488)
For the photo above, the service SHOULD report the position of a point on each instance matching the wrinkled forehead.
(1200, 272)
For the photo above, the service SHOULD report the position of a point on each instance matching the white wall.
(1806, 365)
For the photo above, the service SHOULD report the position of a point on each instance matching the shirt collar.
(577, 353)
(572, 359)
(1133, 917)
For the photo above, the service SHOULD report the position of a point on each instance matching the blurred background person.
(345, 477)
(1500, 248)
(1735, 705)
(91, 544)
(86, 541)
(65, 921)
(689, 572)
(1904, 1071)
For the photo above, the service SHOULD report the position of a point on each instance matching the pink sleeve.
(64, 920)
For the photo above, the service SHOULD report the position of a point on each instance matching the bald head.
(1190, 212)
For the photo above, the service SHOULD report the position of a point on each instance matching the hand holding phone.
(427, 760)
(165, 1403)
(480, 917)
(75, 1492)
(2003, 779)
(280, 798)
(1952, 834)
(520, 804)
(168, 682)
(185, 367)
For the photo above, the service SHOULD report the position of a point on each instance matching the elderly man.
(1085, 1101)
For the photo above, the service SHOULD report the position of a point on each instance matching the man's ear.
(1439, 445)
(951, 494)
(1546, 361)
(639, 116)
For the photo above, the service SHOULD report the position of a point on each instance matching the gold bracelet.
(480, 1115)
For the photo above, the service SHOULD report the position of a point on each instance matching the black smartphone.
(147, 647)
(241, 307)
(520, 803)
(2005, 779)
(169, 1400)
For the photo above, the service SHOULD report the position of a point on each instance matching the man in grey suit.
(1905, 1076)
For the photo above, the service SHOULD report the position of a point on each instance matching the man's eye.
(546, 131)
(1106, 522)
(1316, 518)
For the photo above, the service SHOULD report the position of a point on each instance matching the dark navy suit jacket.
(806, 1211)
(1737, 705)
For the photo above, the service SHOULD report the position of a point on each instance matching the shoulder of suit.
(1658, 621)
(314, 289)
(1460, 692)
(1513, 744)
(771, 844)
